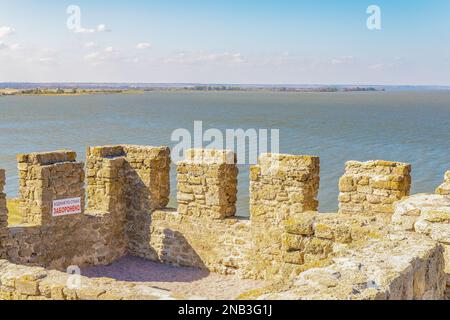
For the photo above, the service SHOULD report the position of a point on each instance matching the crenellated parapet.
(128, 190)
(46, 177)
(207, 184)
(281, 187)
(283, 184)
(132, 179)
(371, 188)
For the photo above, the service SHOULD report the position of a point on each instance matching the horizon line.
(225, 83)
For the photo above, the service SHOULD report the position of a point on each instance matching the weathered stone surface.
(429, 215)
(33, 283)
(370, 188)
(402, 267)
(128, 189)
(444, 188)
(207, 184)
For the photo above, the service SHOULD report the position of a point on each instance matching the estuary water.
(412, 127)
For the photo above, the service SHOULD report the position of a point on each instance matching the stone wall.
(34, 283)
(141, 184)
(222, 246)
(444, 188)
(281, 187)
(204, 233)
(313, 238)
(44, 177)
(207, 184)
(91, 237)
(402, 266)
(428, 215)
(128, 190)
(370, 188)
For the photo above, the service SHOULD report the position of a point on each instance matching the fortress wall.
(314, 238)
(35, 283)
(44, 177)
(282, 187)
(128, 190)
(428, 215)
(444, 188)
(223, 246)
(105, 178)
(140, 184)
(91, 237)
(401, 266)
(207, 184)
(203, 232)
(370, 188)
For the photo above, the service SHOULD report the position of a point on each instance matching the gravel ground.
(190, 282)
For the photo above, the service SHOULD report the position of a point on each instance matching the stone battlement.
(123, 193)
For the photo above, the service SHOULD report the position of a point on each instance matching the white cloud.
(342, 60)
(46, 60)
(204, 57)
(12, 47)
(102, 28)
(90, 45)
(6, 31)
(98, 57)
(16, 46)
(143, 45)
(92, 56)
(132, 60)
(377, 66)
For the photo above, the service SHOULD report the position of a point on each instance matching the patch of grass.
(14, 215)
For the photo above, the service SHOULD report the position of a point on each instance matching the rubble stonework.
(142, 184)
(35, 283)
(428, 215)
(44, 177)
(444, 188)
(91, 237)
(285, 239)
(207, 184)
(370, 188)
(281, 186)
(400, 267)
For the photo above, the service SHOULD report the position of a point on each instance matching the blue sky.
(294, 42)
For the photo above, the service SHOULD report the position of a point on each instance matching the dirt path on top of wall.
(190, 282)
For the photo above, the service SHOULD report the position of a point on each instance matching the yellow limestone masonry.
(370, 188)
(284, 240)
(444, 188)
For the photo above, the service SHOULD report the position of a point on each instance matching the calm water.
(412, 127)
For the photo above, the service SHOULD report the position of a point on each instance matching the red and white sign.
(66, 207)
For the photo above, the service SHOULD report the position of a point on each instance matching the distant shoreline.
(48, 91)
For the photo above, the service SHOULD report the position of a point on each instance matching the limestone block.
(402, 267)
(207, 184)
(444, 188)
(370, 188)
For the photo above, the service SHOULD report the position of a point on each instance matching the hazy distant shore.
(77, 91)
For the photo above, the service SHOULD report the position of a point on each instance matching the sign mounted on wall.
(65, 207)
